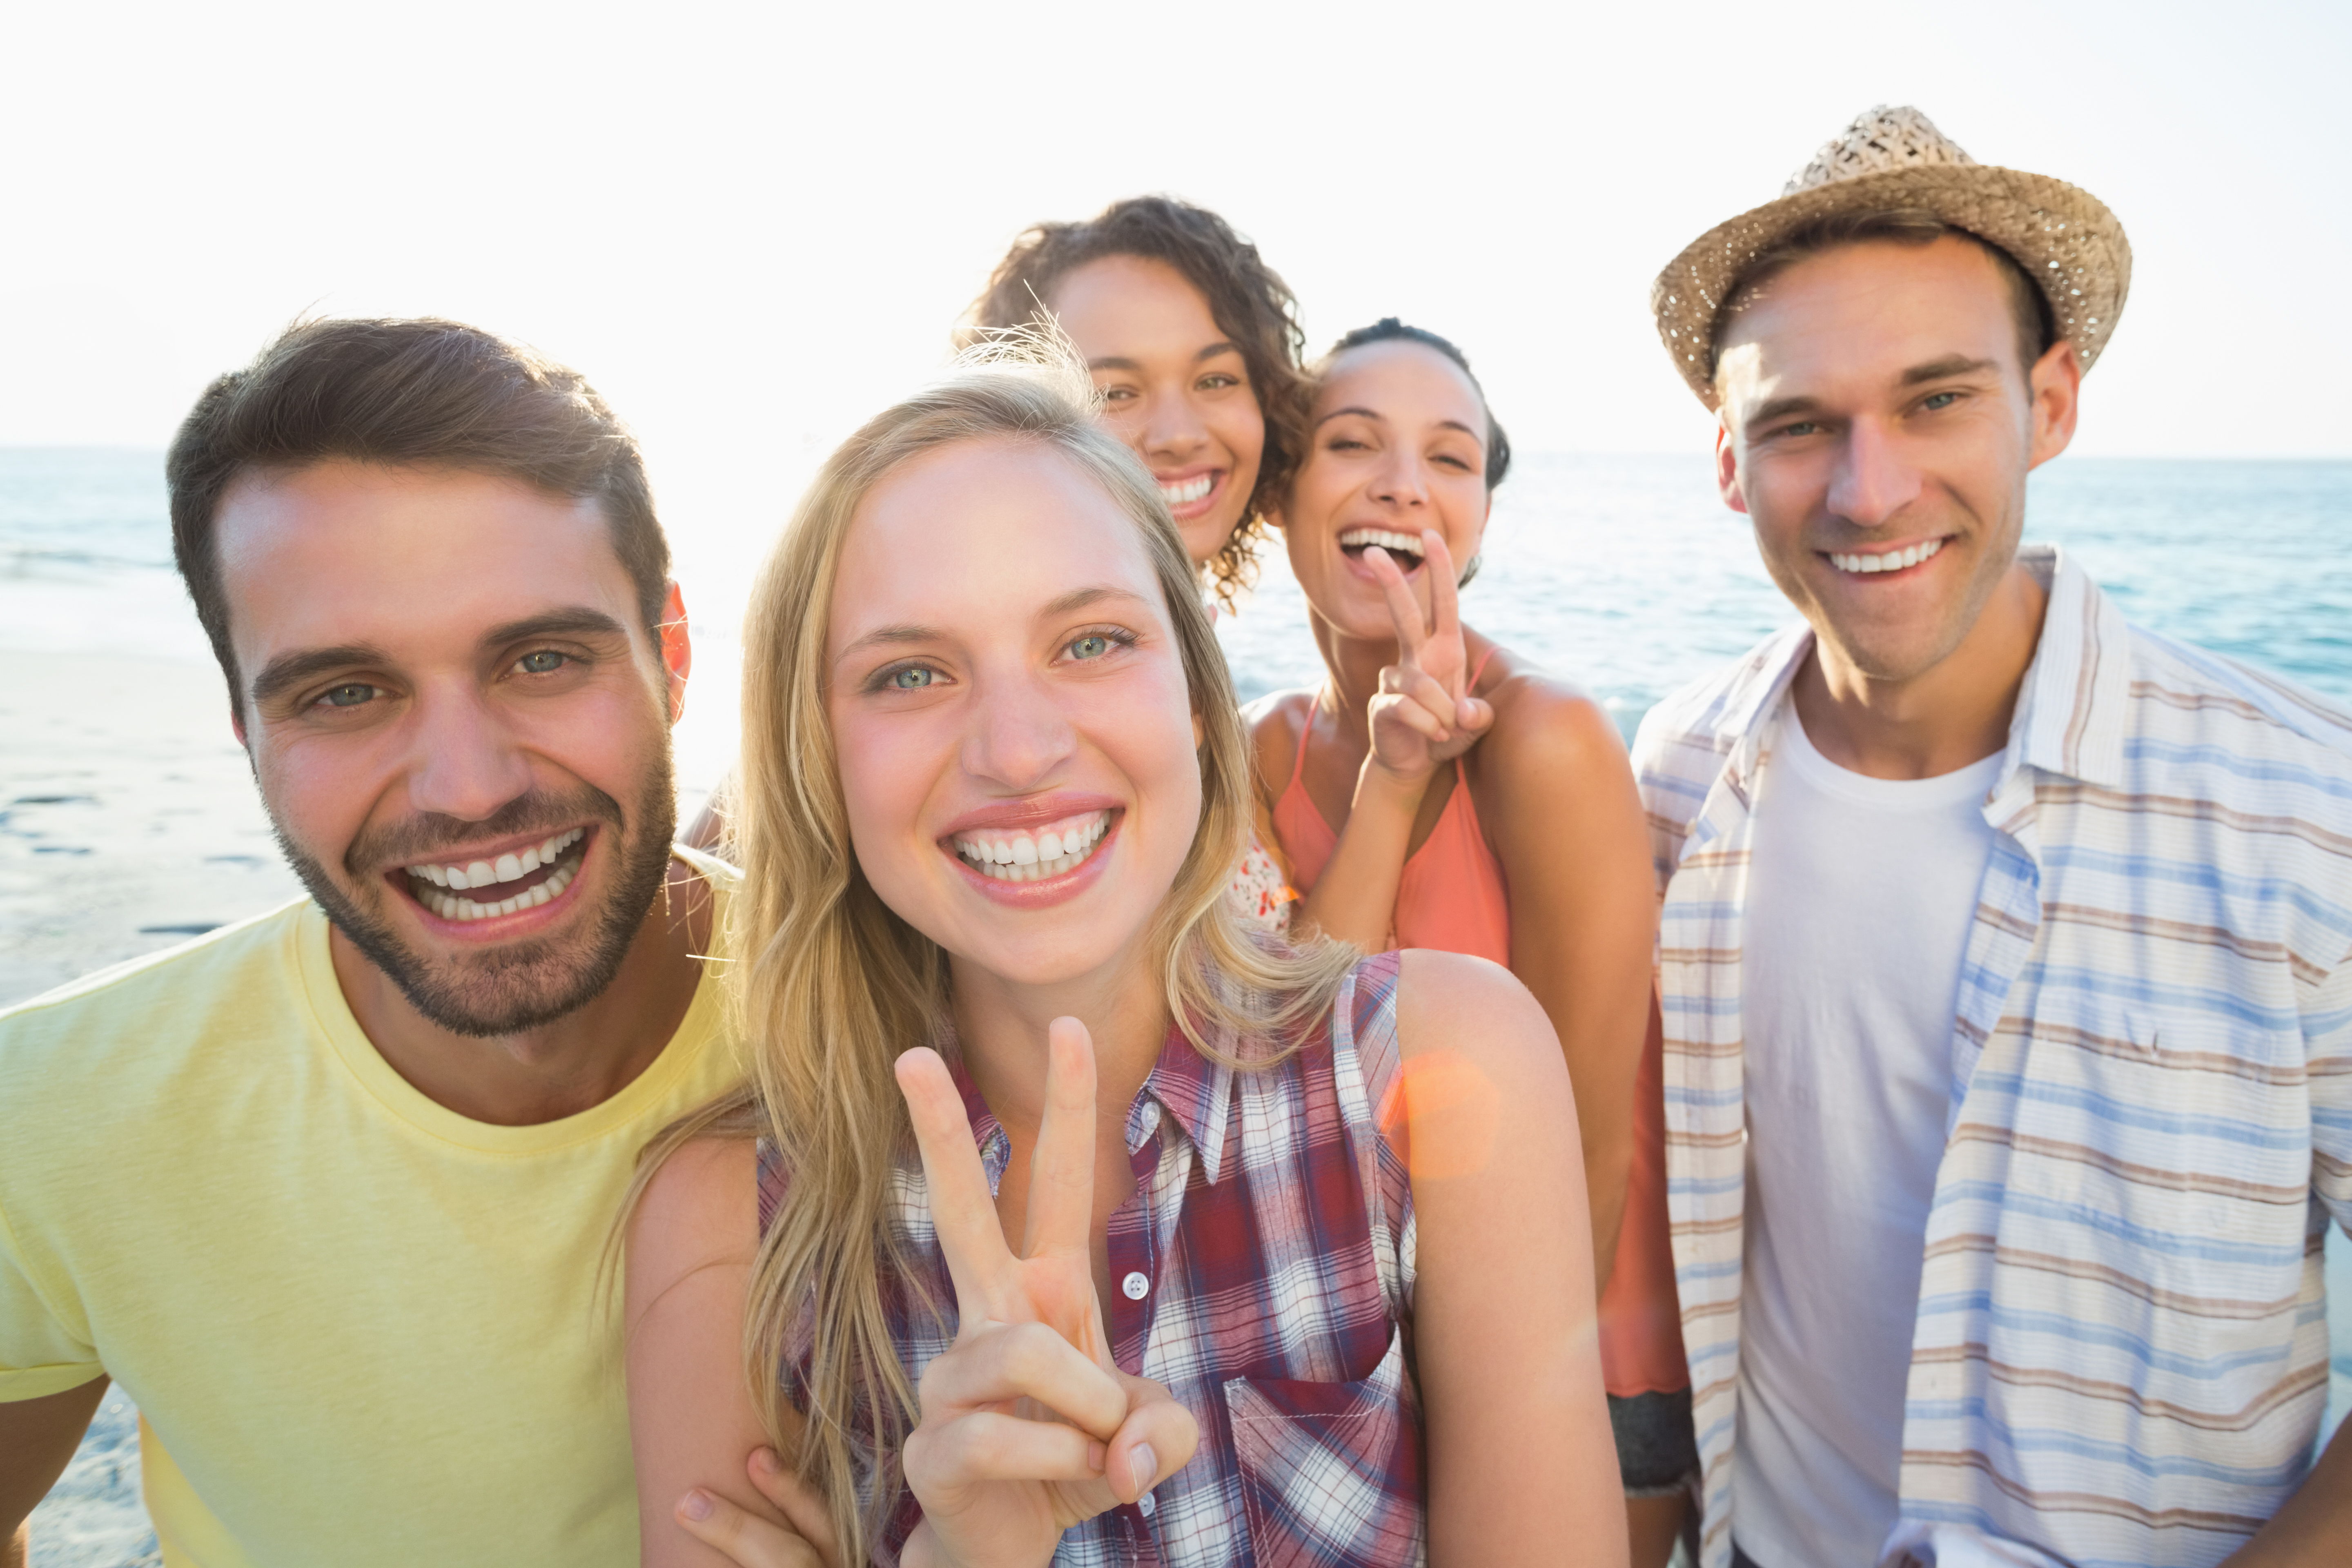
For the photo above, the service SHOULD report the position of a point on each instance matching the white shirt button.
(1136, 1287)
(1145, 1505)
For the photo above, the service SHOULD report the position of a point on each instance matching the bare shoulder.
(1275, 722)
(701, 1209)
(1278, 713)
(1550, 736)
(1470, 1008)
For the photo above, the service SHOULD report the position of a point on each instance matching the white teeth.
(1190, 490)
(507, 869)
(1021, 858)
(1892, 561)
(1354, 538)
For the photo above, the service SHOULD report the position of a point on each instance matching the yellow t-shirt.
(360, 1329)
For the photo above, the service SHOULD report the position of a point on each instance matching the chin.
(1893, 660)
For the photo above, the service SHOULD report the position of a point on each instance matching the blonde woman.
(1065, 1218)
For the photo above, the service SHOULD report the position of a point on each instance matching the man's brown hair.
(406, 393)
(2036, 329)
(1248, 299)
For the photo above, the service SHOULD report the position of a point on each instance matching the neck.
(1955, 713)
(560, 1069)
(1000, 1035)
(1354, 666)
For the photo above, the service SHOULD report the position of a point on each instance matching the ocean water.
(1625, 574)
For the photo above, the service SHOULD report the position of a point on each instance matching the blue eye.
(1941, 400)
(349, 696)
(1093, 645)
(544, 662)
(913, 678)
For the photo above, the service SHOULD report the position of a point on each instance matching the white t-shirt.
(1861, 895)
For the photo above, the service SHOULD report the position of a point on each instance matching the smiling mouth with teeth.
(1891, 561)
(1021, 856)
(481, 890)
(1184, 492)
(1404, 548)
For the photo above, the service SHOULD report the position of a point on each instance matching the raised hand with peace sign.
(1424, 714)
(1027, 1428)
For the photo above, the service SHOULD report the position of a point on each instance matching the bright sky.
(754, 226)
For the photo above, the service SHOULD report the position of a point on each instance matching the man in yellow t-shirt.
(327, 1191)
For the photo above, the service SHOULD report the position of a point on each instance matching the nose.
(1402, 481)
(1172, 432)
(1018, 734)
(466, 762)
(1873, 481)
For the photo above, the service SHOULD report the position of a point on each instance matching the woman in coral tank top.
(1437, 791)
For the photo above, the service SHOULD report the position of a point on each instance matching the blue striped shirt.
(2120, 1354)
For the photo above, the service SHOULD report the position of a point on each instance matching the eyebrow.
(1120, 362)
(1368, 414)
(576, 620)
(289, 670)
(1780, 408)
(1079, 598)
(891, 636)
(1946, 368)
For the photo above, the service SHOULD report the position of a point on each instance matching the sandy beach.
(129, 822)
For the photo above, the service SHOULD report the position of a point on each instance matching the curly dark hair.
(1248, 300)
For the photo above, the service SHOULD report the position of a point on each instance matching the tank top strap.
(1305, 733)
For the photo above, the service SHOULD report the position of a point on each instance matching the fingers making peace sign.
(1424, 714)
(1027, 1427)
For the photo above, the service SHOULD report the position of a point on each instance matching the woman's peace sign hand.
(1027, 1427)
(1424, 714)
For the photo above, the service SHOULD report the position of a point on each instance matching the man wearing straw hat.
(2006, 951)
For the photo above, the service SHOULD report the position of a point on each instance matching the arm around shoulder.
(1520, 1456)
(692, 1423)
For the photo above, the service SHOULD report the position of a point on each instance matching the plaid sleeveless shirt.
(1263, 1273)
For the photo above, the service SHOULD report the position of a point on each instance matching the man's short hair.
(406, 393)
(2036, 329)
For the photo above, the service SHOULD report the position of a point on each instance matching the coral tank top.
(1452, 895)
(1453, 898)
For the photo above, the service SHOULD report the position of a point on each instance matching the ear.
(677, 650)
(1726, 466)
(236, 724)
(2056, 384)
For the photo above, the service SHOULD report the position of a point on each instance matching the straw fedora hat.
(2063, 236)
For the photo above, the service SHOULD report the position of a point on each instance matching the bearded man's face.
(460, 726)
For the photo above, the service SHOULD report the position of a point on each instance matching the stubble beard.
(524, 985)
(1896, 660)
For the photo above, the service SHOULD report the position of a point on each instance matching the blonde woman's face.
(1015, 737)
(1175, 387)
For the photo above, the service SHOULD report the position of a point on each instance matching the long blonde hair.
(832, 986)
